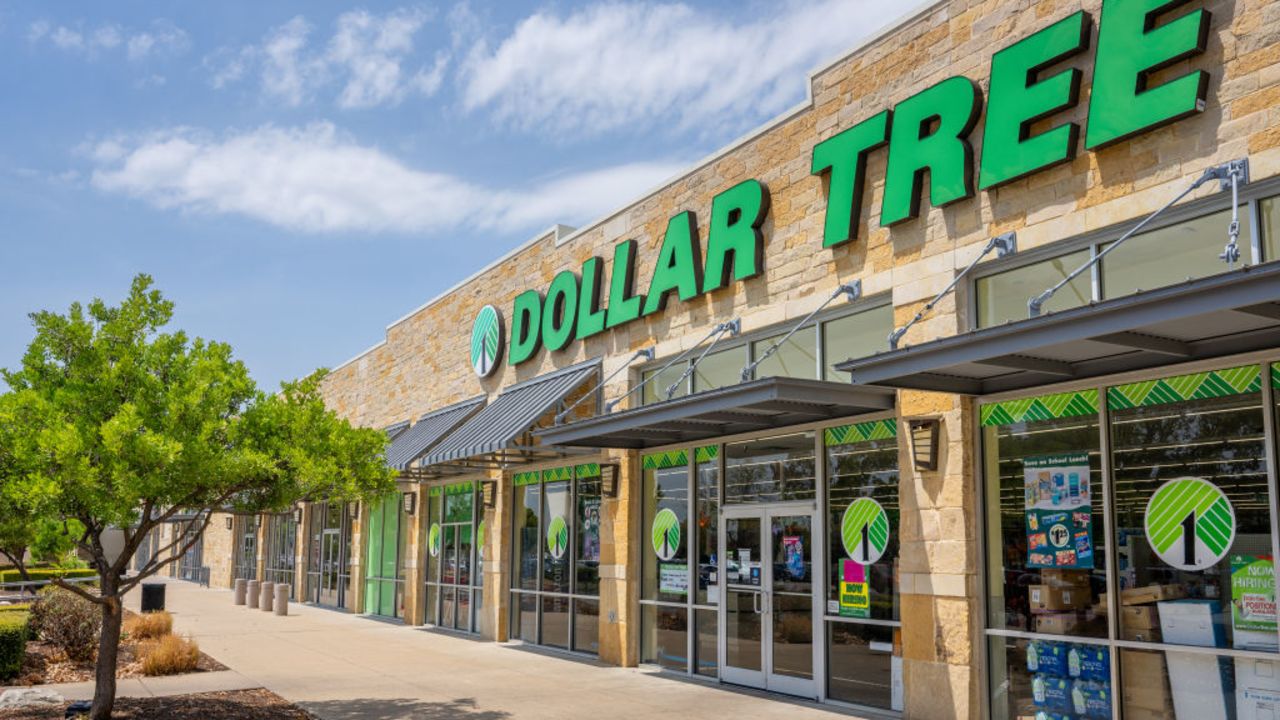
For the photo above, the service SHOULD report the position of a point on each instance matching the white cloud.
(614, 65)
(162, 37)
(367, 56)
(316, 179)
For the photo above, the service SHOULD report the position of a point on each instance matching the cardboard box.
(1144, 683)
(1141, 634)
(1058, 623)
(1151, 594)
(1141, 713)
(1139, 616)
(1047, 599)
(1063, 577)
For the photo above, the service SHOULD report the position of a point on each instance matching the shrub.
(13, 642)
(68, 621)
(149, 626)
(169, 655)
(46, 574)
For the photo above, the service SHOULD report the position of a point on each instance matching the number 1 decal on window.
(1190, 523)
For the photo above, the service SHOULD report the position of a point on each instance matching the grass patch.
(169, 655)
(149, 626)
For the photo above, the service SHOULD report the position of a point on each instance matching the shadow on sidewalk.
(398, 708)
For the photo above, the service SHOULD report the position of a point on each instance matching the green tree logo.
(433, 539)
(666, 534)
(486, 341)
(557, 537)
(1190, 523)
(864, 531)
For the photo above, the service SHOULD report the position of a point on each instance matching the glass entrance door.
(330, 561)
(768, 618)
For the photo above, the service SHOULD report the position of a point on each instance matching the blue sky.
(296, 175)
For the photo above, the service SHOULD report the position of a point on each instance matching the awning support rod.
(646, 353)
(1228, 175)
(1005, 244)
(851, 290)
(734, 326)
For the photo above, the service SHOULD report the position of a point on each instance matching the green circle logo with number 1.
(557, 537)
(433, 539)
(666, 534)
(1190, 523)
(864, 531)
(486, 341)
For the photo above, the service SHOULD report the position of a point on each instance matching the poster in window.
(1058, 510)
(1253, 595)
(793, 556)
(855, 594)
(590, 530)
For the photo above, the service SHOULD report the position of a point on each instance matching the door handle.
(755, 602)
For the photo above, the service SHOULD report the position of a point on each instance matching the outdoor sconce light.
(609, 480)
(297, 514)
(489, 492)
(924, 442)
(229, 521)
(354, 509)
(410, 499)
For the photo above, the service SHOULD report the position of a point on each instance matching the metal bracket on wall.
(852, 291)
(1004, 245)
(734, 326)
(646, 353)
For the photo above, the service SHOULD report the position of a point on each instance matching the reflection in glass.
(772, 469)
(662, 636)
(655, 390)
(720, 369)
(706, 643)
(528, 504)
(858, 470)
(792, 592)
(586, 626)
(1003, 297)
(1269, 217)
(555, 621)
(587, 537)
(666, 491)
(1171, 255)
(707, 506)
(855, 336)
(797, 357)
(861, 665)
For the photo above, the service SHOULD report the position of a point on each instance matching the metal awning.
(413, 443)
(1225, 314)
(502, 433)
(763, 404)
(393, 431)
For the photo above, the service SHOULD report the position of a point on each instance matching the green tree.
(127, 424)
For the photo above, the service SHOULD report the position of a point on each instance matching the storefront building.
(949, 393)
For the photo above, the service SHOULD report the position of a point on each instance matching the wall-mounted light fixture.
(924, 442)
(297, 514)
(609, 480)
(489, 492)
(229, 521)
(354, 509)
(410, 500)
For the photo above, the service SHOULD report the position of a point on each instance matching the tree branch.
(75, 588)
(151, 570)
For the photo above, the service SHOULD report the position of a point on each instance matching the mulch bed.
(235, 705)
(47, 664)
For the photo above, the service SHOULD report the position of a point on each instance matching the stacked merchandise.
(1059, 601)
(1146, 685)
(1069, 680)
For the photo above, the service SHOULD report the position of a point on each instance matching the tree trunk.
(104, 691)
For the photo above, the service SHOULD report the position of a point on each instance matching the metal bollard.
(251, 598)
(266, 597)
(241, 589)
(282, 599)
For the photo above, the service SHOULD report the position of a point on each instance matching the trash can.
(242, 588)
(282, 599)
(152, 597)
(268, 593)
(251, 598)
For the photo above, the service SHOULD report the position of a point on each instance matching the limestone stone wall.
(422, 365)
(219, 551)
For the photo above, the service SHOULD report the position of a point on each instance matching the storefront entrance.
(329, 557)
(767, 618)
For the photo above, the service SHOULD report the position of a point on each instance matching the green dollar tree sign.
(1020, 97)
(930, 135)
(433, 539)
(735, 244)
(527, 315)
(843, 159)
(679, 265)
(624, 306)
(1130, 48)
(486, 341)
(864, 531)
(665, 534)
(1190, 523)
(557, 537)
(590, 315)
(560, 310)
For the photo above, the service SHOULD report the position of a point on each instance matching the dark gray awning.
(413, 443)
(393, 431)
(500, 434)
(763, 404)
(1230, 313)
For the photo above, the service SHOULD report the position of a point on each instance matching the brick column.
(619, 565)
(415, 548)
(938, 565)
(496, 616)
(355, 591)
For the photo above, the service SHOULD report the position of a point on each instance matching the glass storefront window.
(1269, 219)
(706, 519)
(1003, 297)
(555, 551)
(666, 511)
(1171, 255)
(384, 557)
(862, 664)
(528, 510)
(658, 380)
(863, 519)
(663, 639)
(797, 357)
(769, 470)
(587, 537)
(855, 336)
(720, 369)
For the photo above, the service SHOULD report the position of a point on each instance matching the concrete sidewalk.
(344, 667)
(157, 686)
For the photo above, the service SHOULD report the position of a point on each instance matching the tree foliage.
(118, 422)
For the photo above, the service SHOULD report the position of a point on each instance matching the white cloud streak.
(314, 179)
(162, 38)
(608, 66)
(368, 57)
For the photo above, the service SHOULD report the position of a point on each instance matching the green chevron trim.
(706, 453)
(526, 478)
(1275, 375)
(434, 491)
(664, 460)
(1041, 407)
(862, 432)
(557, 474)
(1180, 388)
(587, 470)
(461, 488)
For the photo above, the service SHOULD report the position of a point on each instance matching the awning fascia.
(414, 442)
(768, 403)
(1121, 328)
